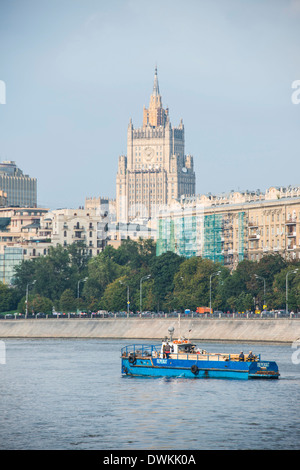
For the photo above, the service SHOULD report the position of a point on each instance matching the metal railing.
(144, 350)
(151, 315)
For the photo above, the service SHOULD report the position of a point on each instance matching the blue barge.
(182, 358)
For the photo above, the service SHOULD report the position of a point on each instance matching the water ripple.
(69, 394)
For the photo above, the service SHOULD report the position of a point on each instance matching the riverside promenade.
(283, 330)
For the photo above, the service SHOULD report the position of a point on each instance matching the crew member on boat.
(251, 357)
(167, 350)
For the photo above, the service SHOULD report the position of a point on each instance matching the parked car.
(267, 313)
(146, 314)
(217, 313)
(282, 313)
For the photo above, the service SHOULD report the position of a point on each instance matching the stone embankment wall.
(272, 330)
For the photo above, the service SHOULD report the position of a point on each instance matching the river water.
(68, 394)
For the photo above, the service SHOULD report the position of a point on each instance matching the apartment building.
(27, 233)
(19, 238)
(233, 227)
(67, 226)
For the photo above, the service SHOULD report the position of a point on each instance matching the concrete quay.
(283, 330)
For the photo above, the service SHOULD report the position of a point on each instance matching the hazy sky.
(76, 71)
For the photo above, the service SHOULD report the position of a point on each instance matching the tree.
(267, 268)
(128, 254)
(78, 256)
(102, 271)
(244, 302)
(24, 274)
(68, 302)
(279, 289)
(163, 269)
(40, 303)
(243, 279)
(115, 297)
(52, 273)
(148, 297)
(36, 303)
(94, 304)
(7, 300)
(192, 282)
(22, 304)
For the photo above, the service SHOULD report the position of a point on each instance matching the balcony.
(291, 247)
(291, 221)
(254, 236)
(78, 236)
(291, 234)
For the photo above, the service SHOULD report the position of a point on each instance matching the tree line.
(68, 279)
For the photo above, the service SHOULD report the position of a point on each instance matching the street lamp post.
(26, 301)
(259, 277)
(287, 289)
(80, 280)
(210, 278)
(142, 279)
(128, 302)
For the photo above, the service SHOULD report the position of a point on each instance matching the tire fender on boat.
(194, 369)
(132, 358)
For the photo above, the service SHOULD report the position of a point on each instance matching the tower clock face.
(149, 153)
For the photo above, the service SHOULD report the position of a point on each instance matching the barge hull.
(209, 369)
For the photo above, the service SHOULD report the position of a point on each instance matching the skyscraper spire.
(155, 115)
(155, 84)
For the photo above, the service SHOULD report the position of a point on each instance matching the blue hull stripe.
(212, 369)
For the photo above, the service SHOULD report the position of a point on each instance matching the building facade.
(19, 238)
(20, 189)
(101, 206)
(234, 227)
(155, 170)
(10, 257)
(28, 233)
(67, 226)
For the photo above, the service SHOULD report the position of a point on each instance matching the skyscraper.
(21, 189)
(155, 170)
